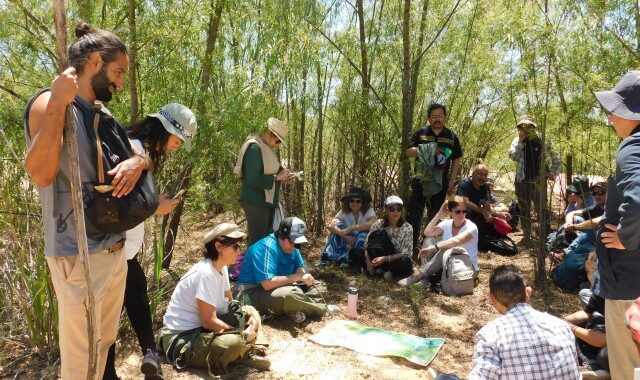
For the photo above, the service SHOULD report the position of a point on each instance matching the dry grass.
(418, 312)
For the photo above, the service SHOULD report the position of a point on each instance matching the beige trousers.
(623, 355)
(108, 276)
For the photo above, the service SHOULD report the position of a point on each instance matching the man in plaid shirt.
(523, 343)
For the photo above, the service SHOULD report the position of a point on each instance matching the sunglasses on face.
(458, 212)
(278, 141)
(355, 200)
(394, 208)
(596, 193)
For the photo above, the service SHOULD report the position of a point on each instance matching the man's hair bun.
(83, 28)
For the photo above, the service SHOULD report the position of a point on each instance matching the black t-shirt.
(446, 139)
(592, 212)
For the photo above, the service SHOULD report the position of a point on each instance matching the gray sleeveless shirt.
(57, 212)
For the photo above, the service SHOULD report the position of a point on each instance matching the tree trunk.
(407, 109)
(212, 35)
(362, 149)
(319, 173)
(133, 75)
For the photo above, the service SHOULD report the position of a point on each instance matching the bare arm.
(209, 317)
(592, 337)
(577, 318)
(432, 228)
(278, 281)
(484, 210)
(46, 124)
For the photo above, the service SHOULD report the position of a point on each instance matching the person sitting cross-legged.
(349, 227)
(203, 327)
(274, 278)
(523, 343)
(388, 246)
(457, 232)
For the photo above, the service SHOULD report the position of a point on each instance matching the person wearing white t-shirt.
(202, 304)
(457, 232)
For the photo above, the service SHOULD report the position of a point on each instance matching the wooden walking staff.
(71, 144)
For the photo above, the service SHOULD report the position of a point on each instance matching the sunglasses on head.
(394, 208)
(458, 212)
(355, 200)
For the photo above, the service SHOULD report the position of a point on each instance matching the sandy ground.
(293, 355)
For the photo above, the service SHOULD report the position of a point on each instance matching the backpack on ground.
(379, 244)
(457, 272)
(502, 245)
(515, 211)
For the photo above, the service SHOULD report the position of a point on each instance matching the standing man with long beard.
(98, 63)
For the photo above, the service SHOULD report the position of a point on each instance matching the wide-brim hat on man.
(356, 192)
(278, 128)
(179, 121)
(526, 121)
(624, 99)
(229, 230)
(294, 229)
(580, 185)
(599, 185)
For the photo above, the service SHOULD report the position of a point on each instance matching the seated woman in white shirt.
(201, 310)
(456, 232)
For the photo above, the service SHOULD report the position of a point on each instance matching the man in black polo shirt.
(448, 155)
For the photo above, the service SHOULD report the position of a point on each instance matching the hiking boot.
(151, 365)
(408, 281)
(388, 277)
(297, 317)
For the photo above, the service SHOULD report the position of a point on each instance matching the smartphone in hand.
(179, 194)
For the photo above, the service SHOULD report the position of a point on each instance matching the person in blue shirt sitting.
(274, 278)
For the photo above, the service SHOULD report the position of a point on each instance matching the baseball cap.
(294, 229)
(178, 120)
(230, 230)
(393, 200)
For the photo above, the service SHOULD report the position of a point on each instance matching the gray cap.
(624, 99)
(178, 120)
(294, 229)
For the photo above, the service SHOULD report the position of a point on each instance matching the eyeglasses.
(394, 208)
(596, 193)
(458, 212)
(236, 246)
(355, 200)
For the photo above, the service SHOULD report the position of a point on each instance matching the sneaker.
(408, 281)
(151, 365)
(388, 277)
(297, 317)
(333, 309)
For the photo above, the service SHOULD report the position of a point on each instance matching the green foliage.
(493, 61)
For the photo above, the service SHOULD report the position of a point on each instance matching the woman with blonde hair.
(456, 232)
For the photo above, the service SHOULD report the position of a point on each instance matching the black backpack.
(515, 211)
(105, 212)
(379, 244)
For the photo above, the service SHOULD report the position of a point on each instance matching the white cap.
(224, 229)
(393, 200)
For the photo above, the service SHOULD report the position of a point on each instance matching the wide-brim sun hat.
(278, 128)
(526, 120)
(179, 121)
(357, 192)
(229, 230)
(624, 99)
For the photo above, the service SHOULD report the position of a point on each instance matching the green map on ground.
(378, 342)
